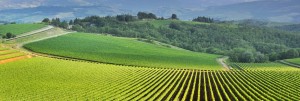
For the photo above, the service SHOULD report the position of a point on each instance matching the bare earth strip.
(222, 62)
(15, 59)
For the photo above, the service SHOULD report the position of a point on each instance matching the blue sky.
(8, 4)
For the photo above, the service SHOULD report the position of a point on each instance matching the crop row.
(52, 79)
(212, 85)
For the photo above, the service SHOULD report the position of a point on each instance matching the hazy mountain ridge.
(270, 10)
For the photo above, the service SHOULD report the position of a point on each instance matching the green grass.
(265, 66)
(296, 61)
(46, 79)
(18, 29)
(125, 51)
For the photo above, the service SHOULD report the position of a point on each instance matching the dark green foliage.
(71, 22)
(8, 36)
(46, 20)
(144, 15)
(204, 19)
(125, 17)
(174, 17)
(64, 25)
(55, 22)
(174, 25)
(292, 53)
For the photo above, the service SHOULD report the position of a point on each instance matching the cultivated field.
(294, 61)
(125, 51)
(53, 79)
(96, 67)
(18, 29)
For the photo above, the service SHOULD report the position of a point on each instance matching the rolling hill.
(124, 51)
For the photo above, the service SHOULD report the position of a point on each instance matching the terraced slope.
(52, 79)
(124, 51)
(9, 55)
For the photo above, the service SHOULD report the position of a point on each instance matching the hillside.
(125, 51)
(43, 78)
(18, 29)
(262, 43)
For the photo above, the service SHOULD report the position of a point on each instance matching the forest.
(242, 42)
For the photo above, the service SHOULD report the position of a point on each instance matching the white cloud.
(16, 4)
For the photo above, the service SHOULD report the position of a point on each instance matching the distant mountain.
(67, 12)
(270, 10)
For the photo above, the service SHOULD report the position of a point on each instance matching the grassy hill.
(295, 61)
(126, 51)
(18, 29)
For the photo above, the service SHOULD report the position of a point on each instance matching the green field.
(295, 61)
(263, 67)
(41, 79)
(18, 29)
(126, 51)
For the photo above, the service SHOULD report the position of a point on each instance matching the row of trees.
(204, 19)
(56, 22)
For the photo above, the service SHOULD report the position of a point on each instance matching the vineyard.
(52, 79)
(123, 51)
(83, 67)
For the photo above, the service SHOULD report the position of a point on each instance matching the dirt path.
(15, 59)
(222, 62)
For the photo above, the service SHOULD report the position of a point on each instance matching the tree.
(125, 17)
(174, 17)
(144, 15)
(71, 22)
(292, 53)
(55, 22)
(273, 56)
(8, 35)
(261, 58)
(204, 19)
(46, 20)
(64, 25)
(174, 25)
(247, 57)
